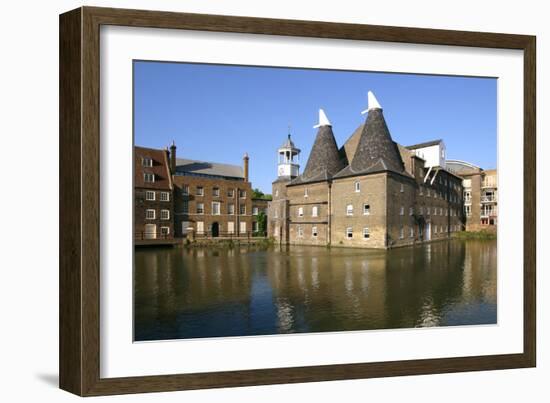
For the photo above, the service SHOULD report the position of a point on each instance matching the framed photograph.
(249, 201)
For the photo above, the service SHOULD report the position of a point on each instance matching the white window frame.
(185, 190)
(164, 214)
(148, 193)
(315, 211)
(231, 208)
(147, 162)
(402, 210)
(349, 232)
(148, 211)
(306, 195)
(200, 190)
(349, 210)
(197, 208)
(231, 227)
(300, 211)
(366, 233)
(165, 196)
(216, 192)
(300, 231)
(314, 232)
(165, 228)
(231, 193)
(255, 211)
(366, 209)
(402, 232)
(401, 188)
(149, 175)
(242, 193)
(411, 232)
(242, 209)
(219, 208)
(357, 186)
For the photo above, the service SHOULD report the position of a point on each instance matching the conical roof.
(376, 150)
(324, 159)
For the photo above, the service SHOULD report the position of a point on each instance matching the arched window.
(314, 211)
(357, 187)
(300, 212)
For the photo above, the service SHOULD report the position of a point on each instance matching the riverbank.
(482, 235)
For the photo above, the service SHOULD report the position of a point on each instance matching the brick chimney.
(245, 165)
(173, 157)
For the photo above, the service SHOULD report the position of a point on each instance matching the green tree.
(262, 223)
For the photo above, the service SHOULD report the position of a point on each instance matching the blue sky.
(217, 113)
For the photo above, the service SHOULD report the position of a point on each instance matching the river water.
(190, 293)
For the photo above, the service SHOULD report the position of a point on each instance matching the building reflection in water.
(189, 293)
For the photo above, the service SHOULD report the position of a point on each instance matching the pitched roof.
(160, 168)
(324, 160)
(347, 151)
(426, 144)
(289, 143)
(193, 167)
(376, 151)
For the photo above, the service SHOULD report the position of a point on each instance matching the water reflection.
(181, 293)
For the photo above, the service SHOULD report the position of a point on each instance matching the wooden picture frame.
(79, 201)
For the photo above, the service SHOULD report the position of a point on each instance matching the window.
(148, 177)
(300, 211)
(165, 230)
(276, 214)
(411, 211)
(349, 209)
(314, 232)
(242, 227)
(242, 193)
(401, 233)
(150, 214)
(200, 227)
(366, 209)
(216, 208)
(164, 196)
(200, 191)
(314, 211)
(435, 229)
(231, 209)
(467, 196)
(146, 162)
(468, 210)
(402, 210)
(255, 211)
(185, 207)
(231, 227)
(254, 226)
(277, 193)
(164, 214)
(366, 233)
(435, 210)
(300, 231)
(242, 209)
(349, 232)
(185, 190)
(230, 193)
(216, 192)
(357, 187)
(200, 208)
(411, 232)
(305, 192)
(149, 195)
(401, 188)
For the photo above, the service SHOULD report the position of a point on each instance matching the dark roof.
(160, 168)
(426, 144)
(347, 151)
(376, 151)
(203, 168)
(324, 160)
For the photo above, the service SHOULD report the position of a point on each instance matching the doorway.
(215, 230)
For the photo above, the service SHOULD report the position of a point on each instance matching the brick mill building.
(371, 192)
(153, 201)
(176, 196)
(480, 195)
